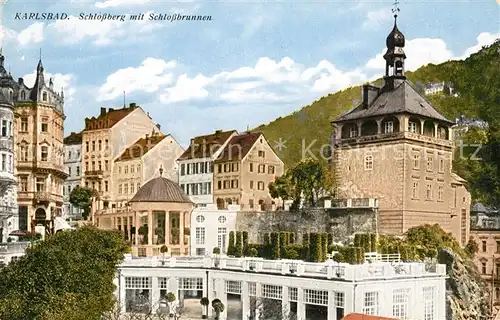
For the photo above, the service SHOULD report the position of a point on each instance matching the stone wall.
(342, 223)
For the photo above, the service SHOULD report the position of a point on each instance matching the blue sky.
(250, 64)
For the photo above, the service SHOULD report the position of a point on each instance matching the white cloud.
(61, 81)
(74, 30)
(483, 39)
(33, 34)
(150, 76)
(116, 3)
(376, 18)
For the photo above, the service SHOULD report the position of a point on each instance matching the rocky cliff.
(467, 297)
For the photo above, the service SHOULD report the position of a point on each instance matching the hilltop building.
(8, 190)
(158, 214)
(447, 88)
(196, 164)
(141, 162)
(243, 171)
(104, 138)
(396, 147)
(39, 132)
(73, 163)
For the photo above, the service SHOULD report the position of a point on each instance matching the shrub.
(324, 247)
(275, 246)
(330, 239)
(238, 252)
(252, 252)
(293, 252)
(373, 242)
(231, 249)
(306, 246)
(216, 250)
(245, 243)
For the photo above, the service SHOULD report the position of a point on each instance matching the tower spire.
(395, 55)
(395, 9)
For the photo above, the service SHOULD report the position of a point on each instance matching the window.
(219, 185)
(45, 124)
(4, 128)
(93, 165)
(24, 153)
(87, 166)
(138, 186)
(45, 153)
(414, 190)
(200, 235)
(125, 188)
(120, 188)
(132, 168)
(200, 251)
(389, 127)
(106, 165)
(261, 168)
(251, 184)
(260, 185)
(370, 303)
(106, 146)
(261, 154)
(368, 163)
(440, 193)
(100, 145)
(412, 126)
(125, 169)
(498, 246)
(24, 124)
(132, 187)
(100, 166)
(483, 267)
(40, 184)
(44, 96)
(428, 195)
(429, 163)
(251, 203)
(93, 145)
(400, 299)
(222, 219)
(24, 183)
(251, 167)
(106, 186)
(221, 239)
(416, 161)
(353, 132)
(87, 146)
(441, 165)
(200, 218)
(429, 294)
(119, 170)
(69, 171)
(270, 170)
(484, 245)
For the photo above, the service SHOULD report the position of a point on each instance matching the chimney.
(103, 111)
(218, 131)
(111, 109)
(133, 105)
(369, 93)
(192, 142)
(158, 126)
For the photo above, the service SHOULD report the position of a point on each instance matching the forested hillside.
(477, 79)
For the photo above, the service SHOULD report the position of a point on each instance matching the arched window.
(200, 218)
(44, 96)
(222, 219)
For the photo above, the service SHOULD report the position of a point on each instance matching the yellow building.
(141, 162)
(39, 113)
(104, 138)
(158, 214)
(396, 147)
(243, 171)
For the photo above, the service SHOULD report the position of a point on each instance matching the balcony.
(392, 136)
(41, 196)
(94, 174)
(48, 167)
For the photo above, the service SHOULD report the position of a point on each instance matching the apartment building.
(196, 163)
(73, 163)
(9, 219)
(141, 162)
(104, 138)
(39, 132)
(396, 147)
(243, 171)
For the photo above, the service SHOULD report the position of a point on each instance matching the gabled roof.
(239, 146)
(141, 147)
(359, 316)
(108, 118)
(403, 99)
(73, 138)
(206, 146)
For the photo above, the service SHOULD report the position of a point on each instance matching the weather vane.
(395, 10)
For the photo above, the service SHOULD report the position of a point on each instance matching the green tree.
(238, 252)
(275, 245)
(81, 198)
(67, 276)
(281, 188)
(231, 249)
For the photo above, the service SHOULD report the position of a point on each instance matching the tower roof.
(396, 38)
(161, 190)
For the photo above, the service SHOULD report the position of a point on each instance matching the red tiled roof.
(239, 146)
(73, 138)
(141, 147)
(206, 146)
(108, 118)
(359, 316)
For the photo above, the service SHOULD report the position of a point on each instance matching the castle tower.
(395, 146)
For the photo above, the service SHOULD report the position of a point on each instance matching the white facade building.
(9, 218)
(252, 287)
(196, 165)
(11, 251)
(72, 162)
(211, 228)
